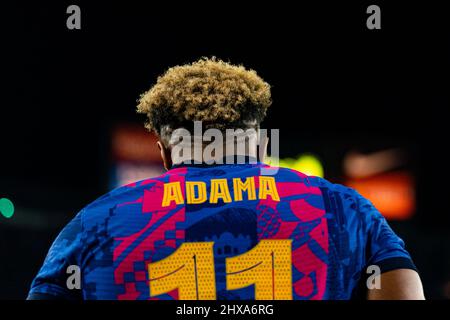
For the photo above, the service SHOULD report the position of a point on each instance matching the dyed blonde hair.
(210, 90)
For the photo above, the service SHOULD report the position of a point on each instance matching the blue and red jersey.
(231, 231)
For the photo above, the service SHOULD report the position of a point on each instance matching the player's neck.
(229, 153)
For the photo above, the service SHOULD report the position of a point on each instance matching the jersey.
(231, 231)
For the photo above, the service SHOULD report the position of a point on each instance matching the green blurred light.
(6, 208)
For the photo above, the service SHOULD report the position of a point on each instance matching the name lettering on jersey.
(242, 189)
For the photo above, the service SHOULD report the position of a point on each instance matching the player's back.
(244, 231)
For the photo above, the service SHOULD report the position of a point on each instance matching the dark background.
(337, 86)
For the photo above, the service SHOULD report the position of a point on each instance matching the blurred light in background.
(135, 155)
(446, 290)
(6, 208)
(132, 142)
(358, 165)
(392, 194)
(377, 177)
(307, 163)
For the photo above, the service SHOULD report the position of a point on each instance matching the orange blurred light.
(393, 194)
(134, 143)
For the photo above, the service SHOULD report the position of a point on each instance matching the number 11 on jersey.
(190, 269)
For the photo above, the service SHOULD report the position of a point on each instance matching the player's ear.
(165, 155)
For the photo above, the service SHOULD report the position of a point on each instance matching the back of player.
(223, 232)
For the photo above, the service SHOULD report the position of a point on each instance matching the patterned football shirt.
(231, 231)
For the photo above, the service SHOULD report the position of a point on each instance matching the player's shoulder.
(346, 199)
(287, 174)
(129, 193)
(346, 196)
(335, 188)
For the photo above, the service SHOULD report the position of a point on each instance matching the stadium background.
(69, 131)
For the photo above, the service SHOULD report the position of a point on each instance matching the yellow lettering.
(219, 189)
(248, 185)
(268, 266)
(268, 187)
(190, 192)
(190, 269)
(172, 192)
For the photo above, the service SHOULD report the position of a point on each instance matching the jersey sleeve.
(51, 280)
(384, 248)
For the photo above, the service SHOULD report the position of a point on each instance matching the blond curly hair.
(210, 90)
